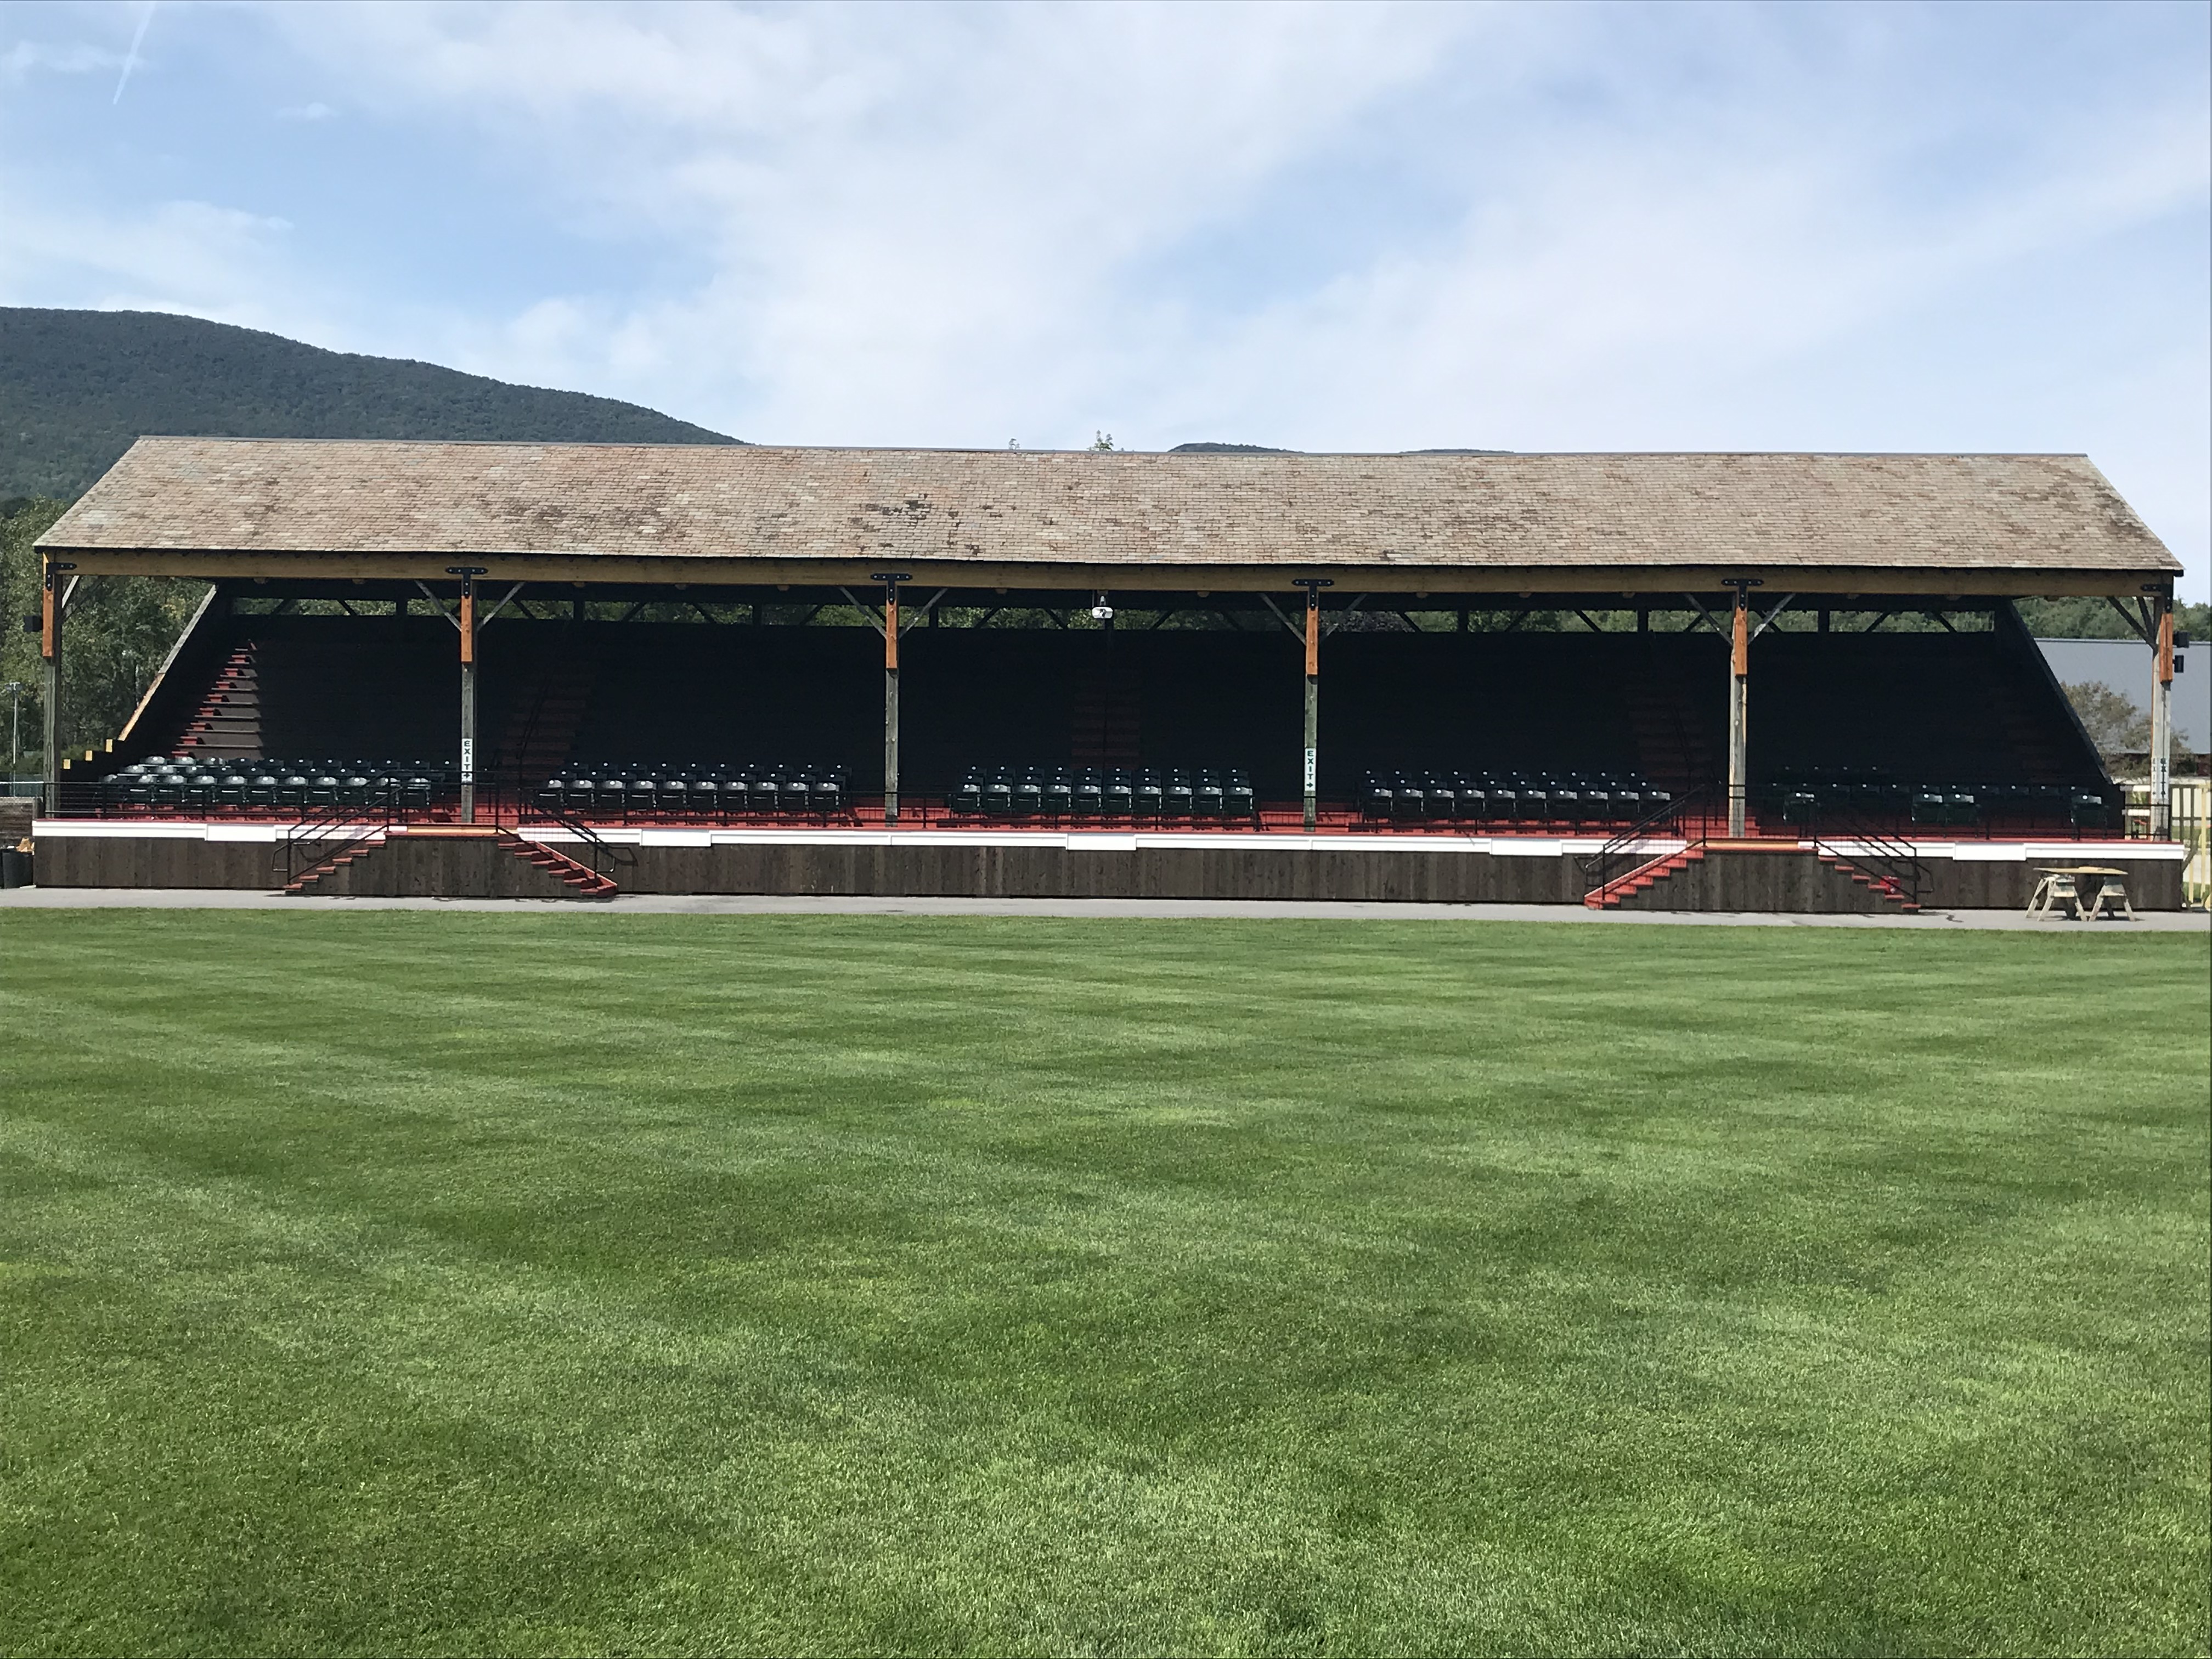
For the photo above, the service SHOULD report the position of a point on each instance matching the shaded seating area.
(1572, 799)
(1175, 794)
(230, 785)
(722, 792)
(1885, 801)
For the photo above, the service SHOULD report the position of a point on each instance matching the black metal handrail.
(1621, 855)
(1851, 838)
(599, 847)
(333, 831)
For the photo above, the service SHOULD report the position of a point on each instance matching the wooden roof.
(715, 513)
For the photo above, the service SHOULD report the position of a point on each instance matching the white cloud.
(899, 201)
(25, 57)
(1324, 226)
(189, 257)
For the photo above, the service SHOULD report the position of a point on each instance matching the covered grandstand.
(751, 669)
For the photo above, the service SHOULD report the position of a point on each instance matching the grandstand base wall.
(414, 866)
(1397, 870)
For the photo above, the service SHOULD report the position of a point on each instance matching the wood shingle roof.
(761, 512)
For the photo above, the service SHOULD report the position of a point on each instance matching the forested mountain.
(77, 386)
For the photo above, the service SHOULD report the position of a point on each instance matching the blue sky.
(1555, 227)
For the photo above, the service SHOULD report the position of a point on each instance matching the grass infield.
(455, 1282)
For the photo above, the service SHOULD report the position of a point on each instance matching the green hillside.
(77, 386)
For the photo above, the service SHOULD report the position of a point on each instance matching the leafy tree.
(117, 631)
(2112, 719)
(2091, 619)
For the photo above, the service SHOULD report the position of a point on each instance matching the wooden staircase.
(587, 882)
(1882, 887)
(1641, 878)
(2039, 751)
(306, 882)
(542, 728)
(1671, 749)
(228, 718)
(1104, 716)
(399, 844)
(1649, 875)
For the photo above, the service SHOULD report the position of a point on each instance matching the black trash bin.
(15, 868)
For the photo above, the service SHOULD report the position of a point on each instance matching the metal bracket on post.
(890, 580)
(1313, 585)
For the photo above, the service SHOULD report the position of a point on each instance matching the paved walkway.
(711, 904)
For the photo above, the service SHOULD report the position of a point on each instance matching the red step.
(587, 882)
(1642, 878)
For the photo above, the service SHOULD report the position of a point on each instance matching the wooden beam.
(1609, 579)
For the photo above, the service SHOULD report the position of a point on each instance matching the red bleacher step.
(1643, 878)
(328, 866)
(1881, 884)
(587, 882)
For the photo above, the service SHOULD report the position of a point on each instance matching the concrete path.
(708, 904)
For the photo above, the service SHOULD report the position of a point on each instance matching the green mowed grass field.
(409, 1281)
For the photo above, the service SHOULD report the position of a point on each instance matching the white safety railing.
(2190, 805)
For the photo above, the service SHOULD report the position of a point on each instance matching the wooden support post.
(50, 651)
(467, 623)
(2162, 723)
(890, 580)
(1313, 586)
(1739, 737)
